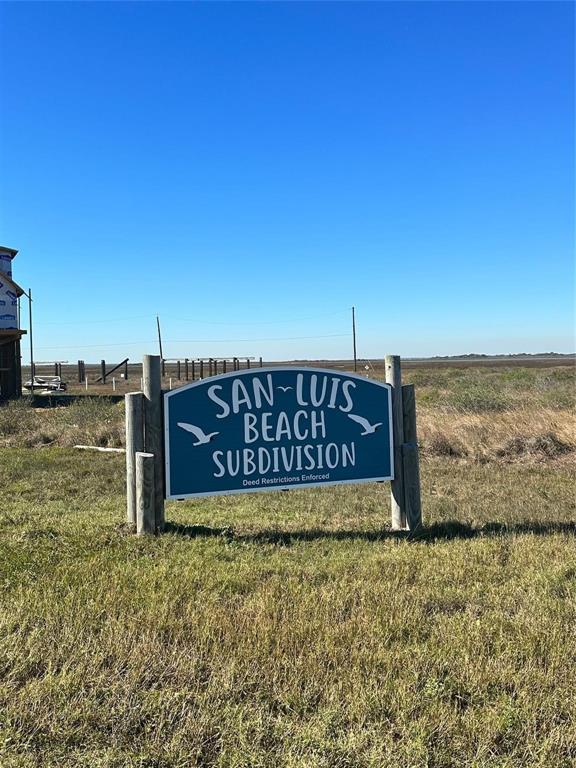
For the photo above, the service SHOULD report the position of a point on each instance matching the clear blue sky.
(249, 171)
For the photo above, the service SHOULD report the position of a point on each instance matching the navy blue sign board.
(276, 428)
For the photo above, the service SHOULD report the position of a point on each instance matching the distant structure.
(10, 333)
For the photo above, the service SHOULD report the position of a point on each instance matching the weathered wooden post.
(201, 368)
(248, 362)
(153, 437)
(186, 372)
(412, 500)
(134, 444)
(103, 371)
(126, 370)
(145, 493)
(193, 370)
(178, 370)
(394, 378)
(224, 366)
(260, 362)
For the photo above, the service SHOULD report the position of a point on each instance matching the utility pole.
(159, 337)
(31, 344)
(354, 338)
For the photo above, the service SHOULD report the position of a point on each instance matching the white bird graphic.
(368, 428)
(284, 389)
(197, 432)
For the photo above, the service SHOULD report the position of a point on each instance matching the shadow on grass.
(451, 529)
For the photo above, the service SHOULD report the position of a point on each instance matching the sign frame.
(294, 486)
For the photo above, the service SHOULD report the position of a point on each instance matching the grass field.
(294, 629)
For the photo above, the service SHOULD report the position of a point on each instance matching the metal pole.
(31, 344)
(354, 338)
(159, 337)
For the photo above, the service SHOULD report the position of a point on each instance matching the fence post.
(126, 371)
(134, 444)
(247, 362)
(103, 371)
(145, 493)
(186, 368)
(178, 370)
(193, 370)
(397, 501)
(223, 366)
(201, 368)
(260, 362)
(413, 502)
(153, 437)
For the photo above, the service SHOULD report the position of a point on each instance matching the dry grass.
(90, 420)
(295, 630)
(523, 434)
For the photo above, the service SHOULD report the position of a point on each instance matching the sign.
(276, 428)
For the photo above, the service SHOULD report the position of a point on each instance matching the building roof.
(11, 251)
(10, 334)
(4, 278)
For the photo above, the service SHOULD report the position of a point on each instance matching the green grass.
(287, 629)
(494, 389)
(295, 629)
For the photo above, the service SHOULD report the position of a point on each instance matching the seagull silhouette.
(197, 432)
(284, 389)
(365, 424)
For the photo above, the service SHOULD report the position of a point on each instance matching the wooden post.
(394, 378)
(134, 444)
(145, 493)
(260, 362)
(193, 371)
(153, 437)
(80, 377)
(412, 500)
(126, 370)
(201, 368)
(178, 370)
(103, 371)
(247, 362)
(223, 366)
(215, 367)
(186, 368)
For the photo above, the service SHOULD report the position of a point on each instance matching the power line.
(259, 322)
(234, 321)
(197, 341)
(94, 322)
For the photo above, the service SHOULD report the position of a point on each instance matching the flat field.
(295, 629)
